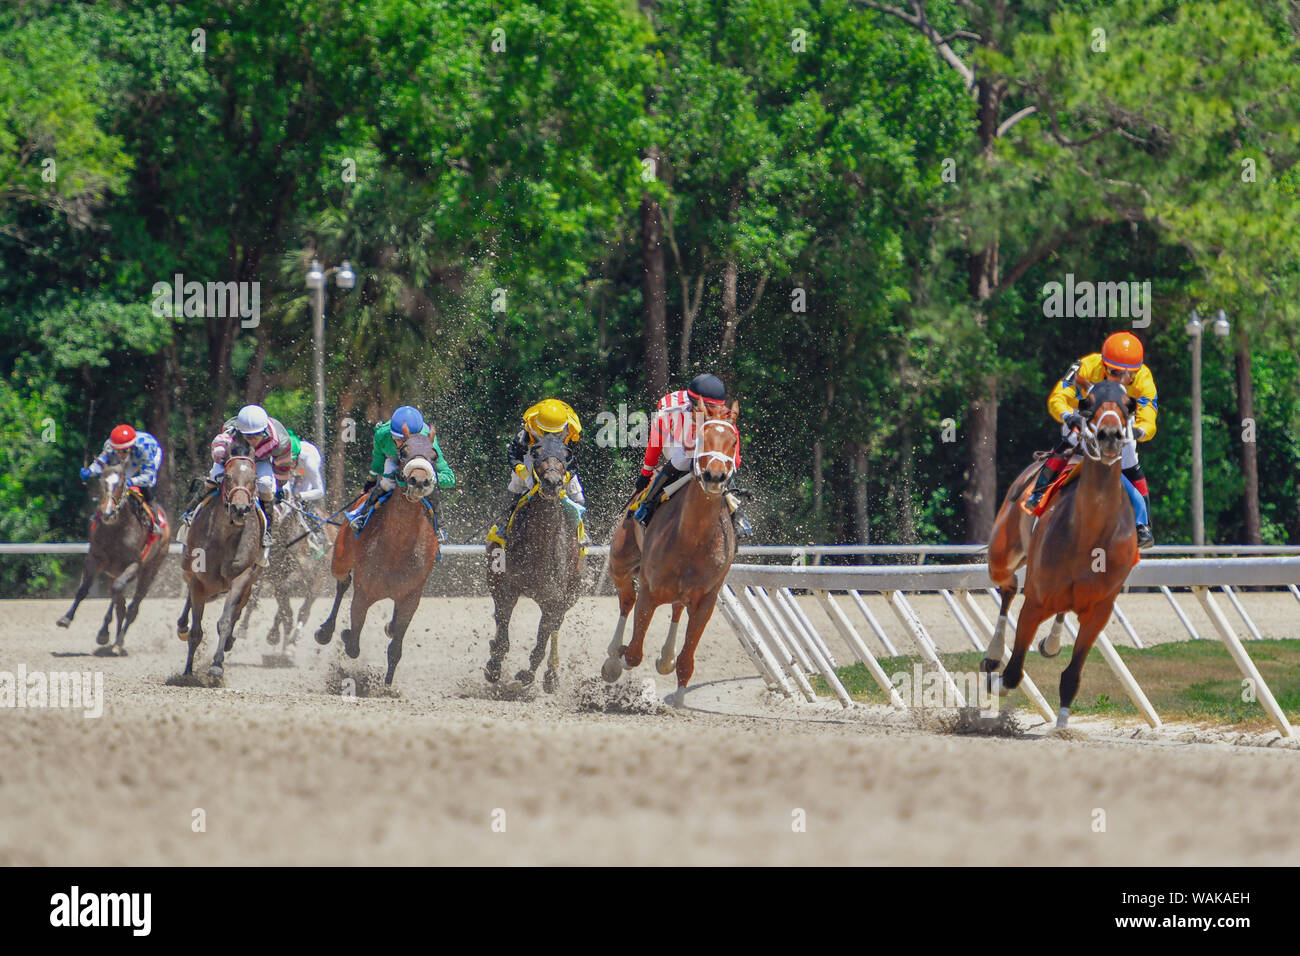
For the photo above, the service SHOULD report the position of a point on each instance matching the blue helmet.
(409, 416)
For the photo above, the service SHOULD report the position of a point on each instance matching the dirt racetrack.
(286, 770)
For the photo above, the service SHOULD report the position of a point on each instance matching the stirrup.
(1145, 540)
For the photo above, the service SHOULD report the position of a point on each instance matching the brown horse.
(391, 557)
(221, 552)
(1081, 550)
(681, 558)
(120, 548)
(302, 573)
(541, 560)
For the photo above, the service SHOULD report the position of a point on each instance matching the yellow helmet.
(551, 415)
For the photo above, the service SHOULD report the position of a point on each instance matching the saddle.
(639, 498)
(1067, 475)
(495, 536)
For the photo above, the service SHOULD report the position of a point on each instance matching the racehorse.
(541, 560)
(121, 549)
(392, 555)
(221, 552)
(1081, 550)
(681, 558)
(303, 572)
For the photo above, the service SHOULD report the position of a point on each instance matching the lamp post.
(344, 278)
(1195, 327)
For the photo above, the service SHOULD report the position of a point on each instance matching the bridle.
(1090, 444)
(698, 456)
(541, 456)
(229, 492)
(113, 496)
(415, 490)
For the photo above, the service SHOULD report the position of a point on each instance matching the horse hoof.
(549, 681)
(525, 677)
(612, 669)
(1042, 649)
(101, 637)
(493, 671)
(989, 666)
(215, 671)
(183, 635)
(63, 622)
(272, 638)
(294, 634)
(677, 698)
(120, 651)
(351, 645)
(323, 636)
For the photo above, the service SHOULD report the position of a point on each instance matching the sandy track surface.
(287, 770)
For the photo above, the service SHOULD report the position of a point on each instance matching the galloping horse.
(1080, 552)
(303, 572)
(681, 558)
(120, 549)
(391, 557)
(541, 560)
(221, 552)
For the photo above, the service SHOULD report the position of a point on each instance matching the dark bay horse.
(681, 558)
(391, 557)
(1081, 550)
(221, 552)
(541, 560)
(120, 548)
(300, 570)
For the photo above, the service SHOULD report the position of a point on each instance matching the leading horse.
(541, 560)
(1079, 553)
(120, 547)
(681, 558)
(392, 555)
(221, 552)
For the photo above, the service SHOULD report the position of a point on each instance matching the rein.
(728, 461)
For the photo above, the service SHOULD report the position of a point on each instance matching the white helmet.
(252, 420)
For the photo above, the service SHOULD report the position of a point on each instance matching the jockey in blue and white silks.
(140, 456)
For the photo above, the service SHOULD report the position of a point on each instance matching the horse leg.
(552, 675)
(613, 665)
(668, 655)
(548, 626)
(326, 630)
(196, 623)
(357, 620)
(183, 623)
(1050, 646)
(142, 585)
(645, 610)
(118, 600)
(1091, 622)
(403, 611)
(701, 611)
(997, 647)
(240, 589)
(253, 601)
(503, 607)
(1031, 615)
(87, 579)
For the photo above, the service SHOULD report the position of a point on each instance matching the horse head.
(1109, 427)
(239, 487)
(550, 464)
(415, 464)
(112, 489)
(717, 441)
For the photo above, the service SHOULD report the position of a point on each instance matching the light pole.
(1195, 328)
(344, 278)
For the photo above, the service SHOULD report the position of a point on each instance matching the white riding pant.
(1128, 454)
(520, 485)
(265, 478)
(306, 482)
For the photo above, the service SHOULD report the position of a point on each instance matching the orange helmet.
(122, 437)
(1122, 350)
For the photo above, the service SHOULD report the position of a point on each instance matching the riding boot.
(650, 503)
(437, 520)
(269, 511)
(207, 487)
(355, 516)
(738, 520)
(1046, 475)
(1145, 538)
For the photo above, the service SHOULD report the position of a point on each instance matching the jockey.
(383, 465)
(549, 416)
(140, 456)
(305, 481)
(1120, 360)
(268, 445)
(672, 440)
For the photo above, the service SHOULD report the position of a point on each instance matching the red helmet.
(1122, 350)
(122, 437)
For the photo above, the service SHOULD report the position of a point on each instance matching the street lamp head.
(1221, 324)
(1194, 325)
(315, 277)
(346, 278)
